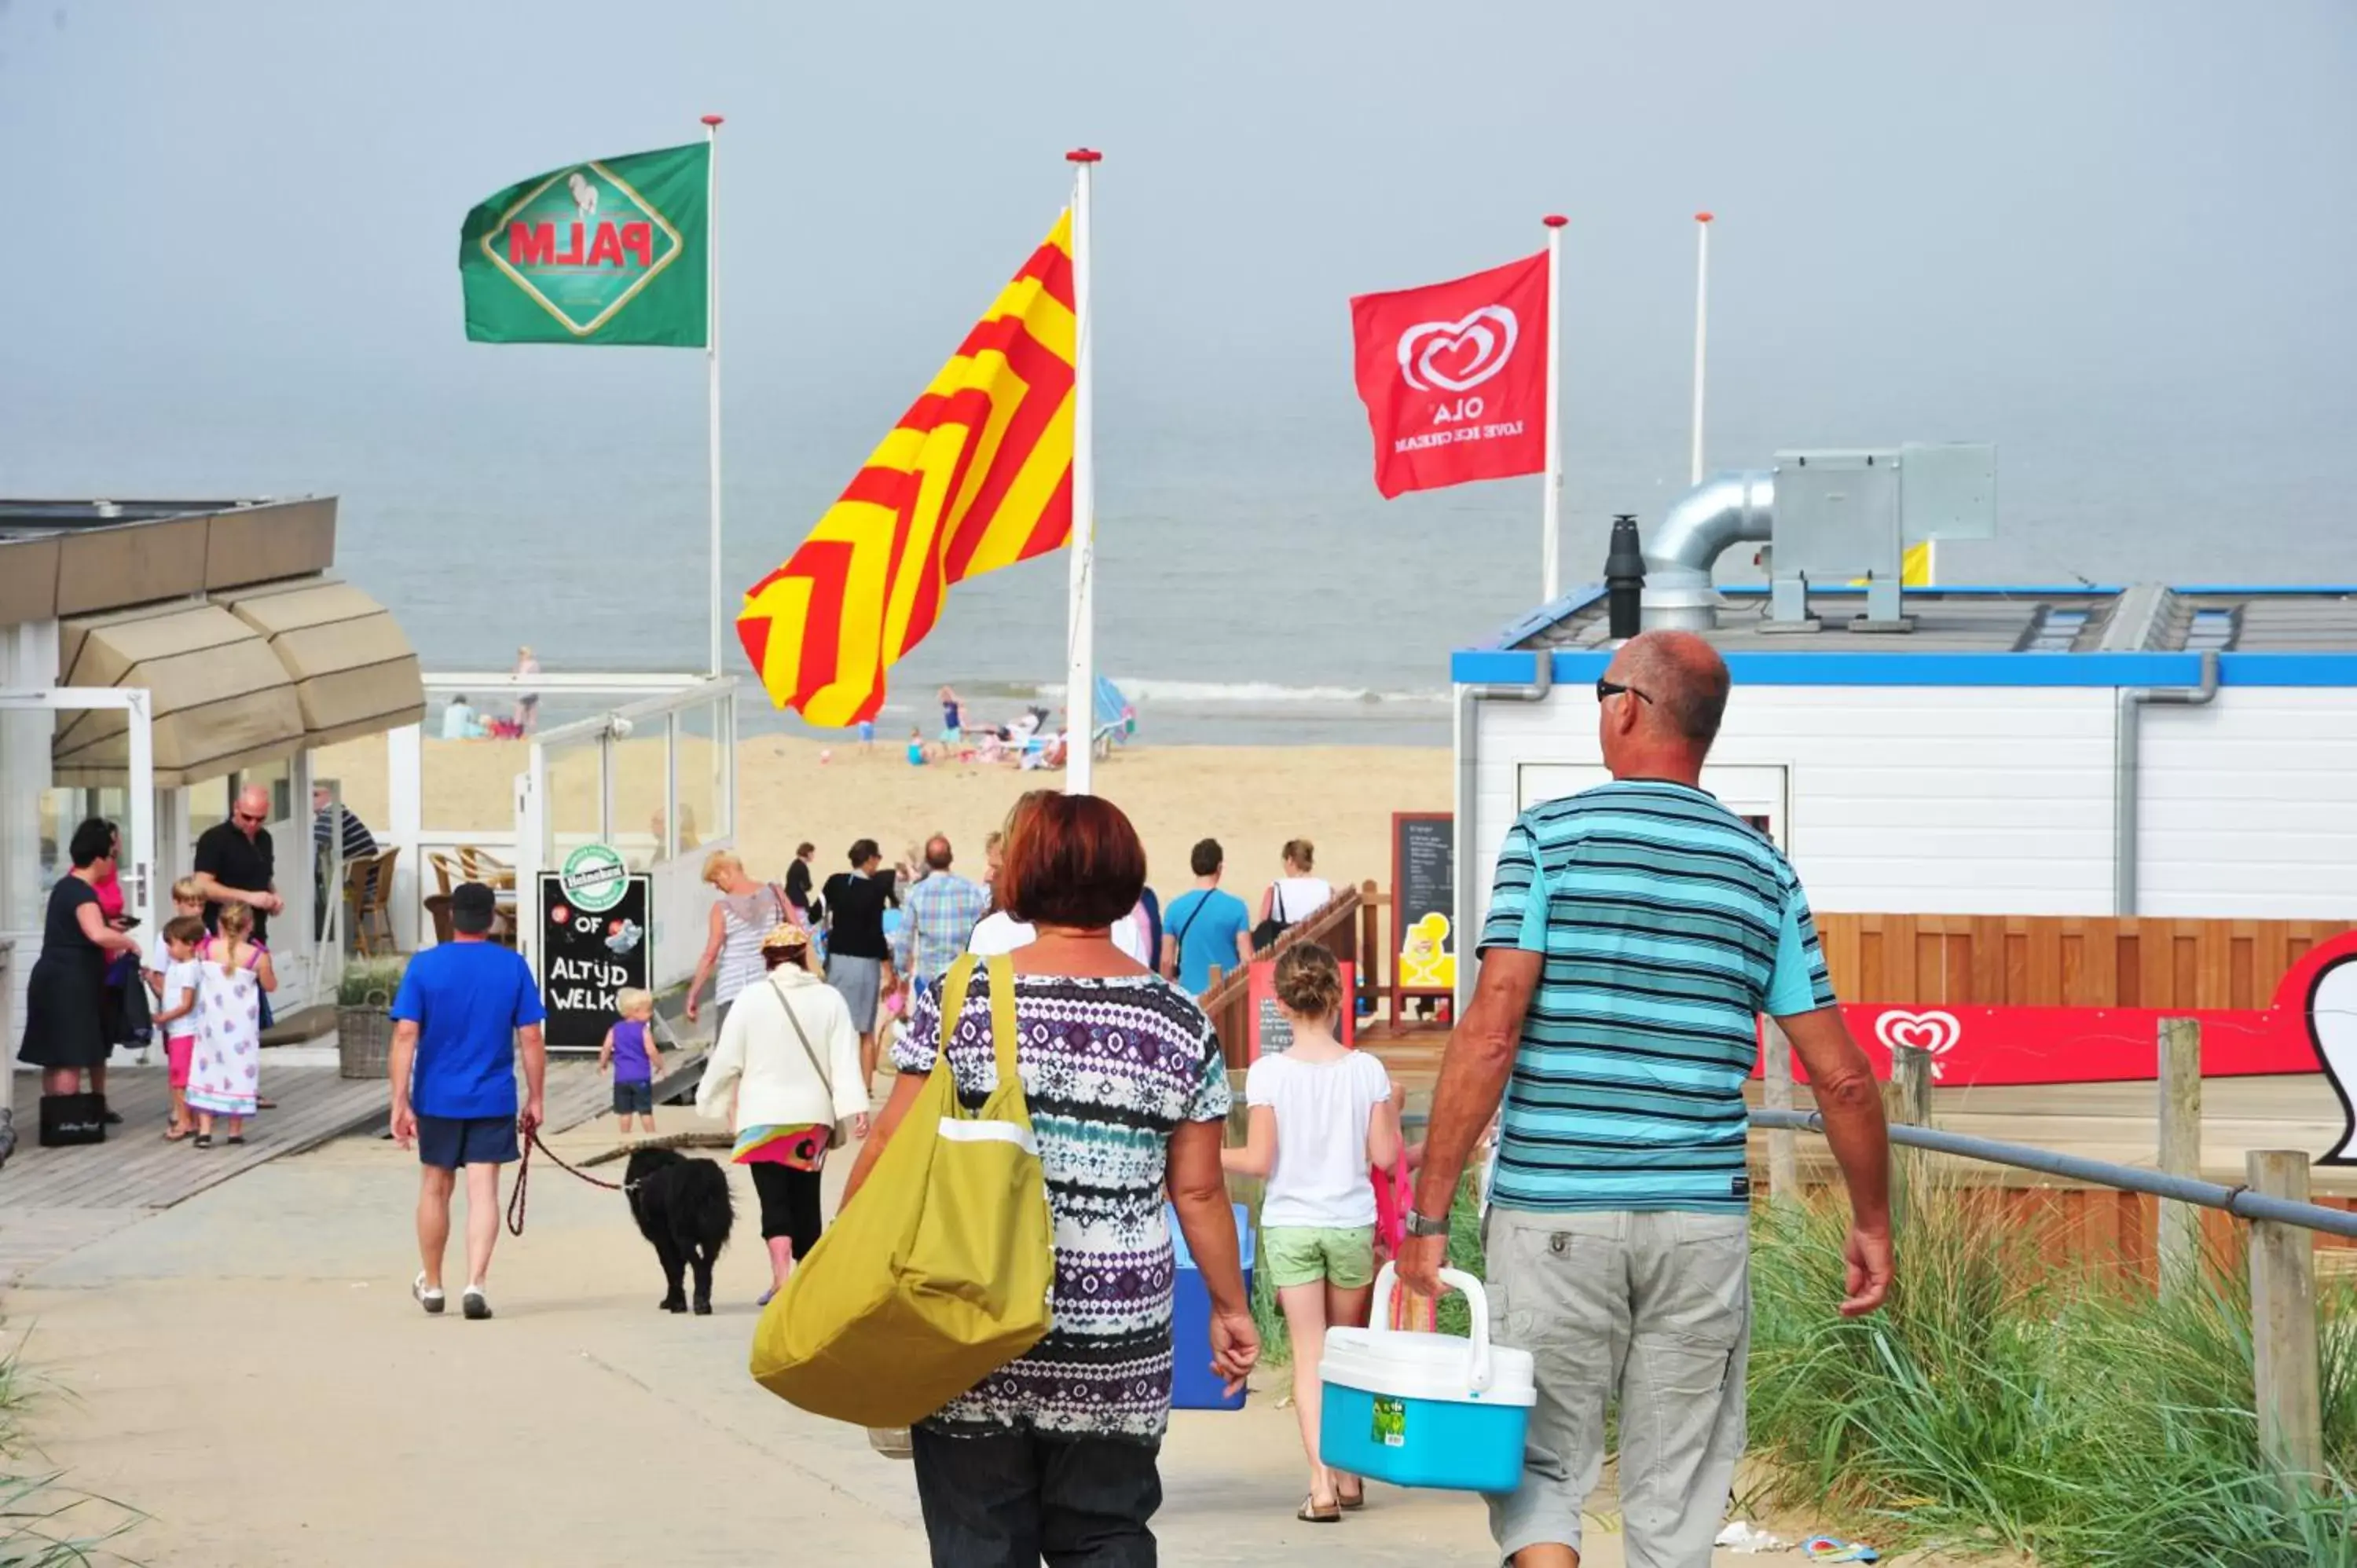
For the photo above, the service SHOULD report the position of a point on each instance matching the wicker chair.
(367, 892)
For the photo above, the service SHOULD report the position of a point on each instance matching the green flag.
(606, 252)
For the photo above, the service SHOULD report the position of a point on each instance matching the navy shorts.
(634, 1098)
(446, 1143)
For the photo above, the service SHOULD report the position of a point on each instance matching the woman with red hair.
(1056, 1451)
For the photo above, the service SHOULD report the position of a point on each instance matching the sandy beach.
(1252, 799)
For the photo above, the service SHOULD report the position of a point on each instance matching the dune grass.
(36, 1530)
(1999, 1403)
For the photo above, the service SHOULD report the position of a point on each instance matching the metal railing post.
(2179, 1242)
(2282, 1322)
(1783, 1144)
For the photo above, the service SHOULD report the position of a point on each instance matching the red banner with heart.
(1454, 377)
(2310, 1025)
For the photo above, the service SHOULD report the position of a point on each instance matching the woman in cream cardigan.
(789, 1056)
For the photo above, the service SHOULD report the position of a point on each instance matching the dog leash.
(516, 1200)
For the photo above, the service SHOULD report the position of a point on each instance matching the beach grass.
(37, 1524)
(1999, 1403)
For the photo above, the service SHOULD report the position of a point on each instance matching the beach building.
(156, 657)
(2077, 751)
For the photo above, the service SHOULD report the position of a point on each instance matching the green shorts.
(1305, 1255)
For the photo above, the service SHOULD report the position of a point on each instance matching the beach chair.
(1115, 721)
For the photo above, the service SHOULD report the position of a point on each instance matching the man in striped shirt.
(1636, 932)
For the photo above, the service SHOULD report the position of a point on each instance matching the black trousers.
(1013, 1500)
(789, 1205)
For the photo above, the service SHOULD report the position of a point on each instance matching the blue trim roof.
(1503, 666)
(1500, 663)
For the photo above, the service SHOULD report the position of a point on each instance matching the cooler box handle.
(1477, 1301)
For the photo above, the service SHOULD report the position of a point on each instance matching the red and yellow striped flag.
(977, 475)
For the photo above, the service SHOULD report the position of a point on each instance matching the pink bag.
(1394, 1197)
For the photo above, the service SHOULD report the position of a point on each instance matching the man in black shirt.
(236, 864)
(858, 960)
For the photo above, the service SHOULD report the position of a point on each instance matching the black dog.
(683, 1206)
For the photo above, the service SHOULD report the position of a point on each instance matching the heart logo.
(1935, 1032)
(1458, 356)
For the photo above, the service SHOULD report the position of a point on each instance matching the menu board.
(1423, 902)
(585, 957)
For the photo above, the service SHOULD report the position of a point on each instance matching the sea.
(1251, 587)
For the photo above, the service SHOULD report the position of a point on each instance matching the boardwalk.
(54, 1200)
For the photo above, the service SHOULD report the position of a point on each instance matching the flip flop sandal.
(265, 1105)
(1311, 1514)
(1351, 1502)
(172, 1137)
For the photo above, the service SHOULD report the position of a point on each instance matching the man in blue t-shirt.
(464, 1008)
(1205, 928)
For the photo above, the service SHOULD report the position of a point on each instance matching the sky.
(2113, 237)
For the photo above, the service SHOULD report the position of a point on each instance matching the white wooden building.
(156, 657)
(2170, 751)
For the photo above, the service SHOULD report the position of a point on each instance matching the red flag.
(1454, 377)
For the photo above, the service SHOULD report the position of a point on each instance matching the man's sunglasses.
(1613, 687)
(252, 817)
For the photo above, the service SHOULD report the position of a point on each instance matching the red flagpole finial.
(1085, 155)
(1555, 220)
(712, 119)
(1702, 217)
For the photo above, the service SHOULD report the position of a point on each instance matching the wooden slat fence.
(2064, 960)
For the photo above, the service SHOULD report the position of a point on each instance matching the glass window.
(209, 802)
(642, 794)
(576, 809)
(702, 750)
(467, 787)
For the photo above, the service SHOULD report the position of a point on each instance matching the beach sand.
(1251, 798)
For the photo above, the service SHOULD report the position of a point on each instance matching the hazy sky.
(2109, 236)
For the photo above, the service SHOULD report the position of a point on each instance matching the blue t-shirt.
(1206, 940)
(468, 1000)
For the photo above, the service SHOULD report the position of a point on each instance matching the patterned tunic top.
(1111, 1068)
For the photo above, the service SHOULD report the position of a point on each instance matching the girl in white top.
(1297, 895)
(1322, 1114)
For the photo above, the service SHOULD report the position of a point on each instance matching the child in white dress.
(225, 1076)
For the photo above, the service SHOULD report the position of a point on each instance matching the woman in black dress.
(65, 1029)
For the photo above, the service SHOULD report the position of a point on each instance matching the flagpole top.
(1555, 220)
(1702, 217)
(1085, 155)
(713, 119)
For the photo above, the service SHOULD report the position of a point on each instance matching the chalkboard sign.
(585, 958)
(1423, 904)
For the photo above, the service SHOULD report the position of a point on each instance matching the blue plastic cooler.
(1193, 1386)
(1425, 1410)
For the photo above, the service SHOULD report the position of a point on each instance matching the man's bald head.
(1684, 676)
(937, 851)
(255, 801)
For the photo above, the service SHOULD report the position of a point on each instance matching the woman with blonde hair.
(746, 909)
(1293, 897)
(788, 1061)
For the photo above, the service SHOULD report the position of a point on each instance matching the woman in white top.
(790, 1057)
(746, 911)
(1322, 1114)
(1296, 896)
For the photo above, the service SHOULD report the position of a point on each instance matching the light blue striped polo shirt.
(1669, 924)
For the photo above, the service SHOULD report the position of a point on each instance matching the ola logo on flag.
(581, 243)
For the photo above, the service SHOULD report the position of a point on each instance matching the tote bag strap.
(825, 1081)
(1002, 1027)
(953, 990)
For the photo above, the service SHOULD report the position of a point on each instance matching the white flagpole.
(1551, 504)
(712, 367)
(1079, 675)
(1701, 333)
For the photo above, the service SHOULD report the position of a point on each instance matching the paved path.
(53, 1200)
(248, 1369)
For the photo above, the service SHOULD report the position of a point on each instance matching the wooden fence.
(2064, 960)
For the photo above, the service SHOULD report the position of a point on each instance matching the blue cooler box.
(1192, 1384)
(1425, 1410)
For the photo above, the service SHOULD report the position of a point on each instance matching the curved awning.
(244, 677)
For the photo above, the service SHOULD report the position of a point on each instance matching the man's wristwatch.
(1417, 1224)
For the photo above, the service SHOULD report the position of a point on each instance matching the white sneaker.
(474, 1304)
(431, 1300)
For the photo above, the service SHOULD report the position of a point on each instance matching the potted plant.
(364, 1015)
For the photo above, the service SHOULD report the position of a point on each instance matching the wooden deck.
(54, 1200)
